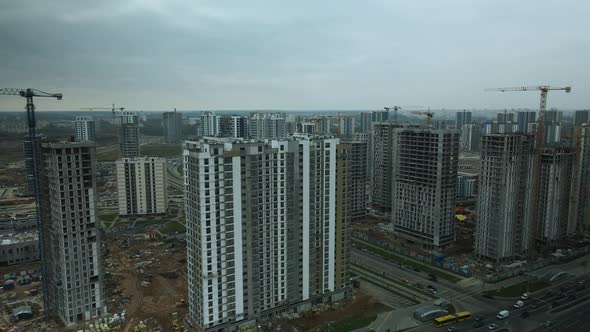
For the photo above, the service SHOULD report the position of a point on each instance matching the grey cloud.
(305, 54)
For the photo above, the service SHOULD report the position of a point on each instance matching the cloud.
(306, 54)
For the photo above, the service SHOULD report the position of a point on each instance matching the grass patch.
(172, 227)
(350, 324)
(161, 150)
(180, 169)
(517, 290)
(110, 155)
(108, 217)
(150, 221)
(403, 261)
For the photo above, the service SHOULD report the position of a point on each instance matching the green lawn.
(517, 289)
(108, 217)
(397, 258)
(351, 324)
(161, 150)
(180, 169)
(171, 227)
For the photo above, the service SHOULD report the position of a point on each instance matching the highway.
(461, 298)
(559, 304)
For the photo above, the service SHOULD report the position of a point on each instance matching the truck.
(503, 314)
(519, 304)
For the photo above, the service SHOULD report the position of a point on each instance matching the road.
(461, 298)
(559, 304)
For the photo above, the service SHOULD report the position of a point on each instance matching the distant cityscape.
(225, 221)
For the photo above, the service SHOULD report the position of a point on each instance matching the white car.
(519, 304)
(492, 327)
(524, 296)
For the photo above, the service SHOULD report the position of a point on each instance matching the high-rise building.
(267, 126)
(425, 163)
(366, 122)
(470, 137)
(382, 164)
(552, 127)
(28, 159)
(85, 129)
(581, 117)
(466, 185)
(579, 218)
(262, 232)
(380, 116)
(234, 126)
(73, 279)
(525, 119)
(462, 118)
(346, 126)
(210, 124)
(172, 127)
(503, 230)
(129, 134)
(555, 180)
(325, 125)
(505, 117)
(354, 154)
(141, 185)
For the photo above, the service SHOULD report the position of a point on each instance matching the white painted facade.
(141, 185)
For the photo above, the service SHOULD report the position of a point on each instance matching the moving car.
(519, 304)
(503, 314)
(492, 326)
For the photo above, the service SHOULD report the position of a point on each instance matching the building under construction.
(424, 180)
(505, 186)
(382, 165)
(555, 180)
(580, 204)
(354, 154)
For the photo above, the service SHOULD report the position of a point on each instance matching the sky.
(294, 55)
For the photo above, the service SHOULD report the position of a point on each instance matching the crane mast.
(32, 124)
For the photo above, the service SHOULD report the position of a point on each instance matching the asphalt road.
(563, 305)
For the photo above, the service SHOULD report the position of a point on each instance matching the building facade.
(355, 155)
(73, 279)
(580, 206)
(382, 165)
(503, 230)
(267, 126)
(234, 126)
(424, 184)
(470, 137)
(462, 118)
(172, 123)
(141, 185)
(555, 183)
(346, 126)
(210, 124)
(129, 134)
(526, 121)
(261, 229)
(85, 129)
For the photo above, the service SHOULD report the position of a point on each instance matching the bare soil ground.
(136, 283)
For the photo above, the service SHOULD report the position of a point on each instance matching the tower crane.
(429, 116)
(395, 109)
(32, 124)
(112, 108)
(539, 135)
(539, 143)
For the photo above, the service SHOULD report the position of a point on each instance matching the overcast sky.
(193, 55)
